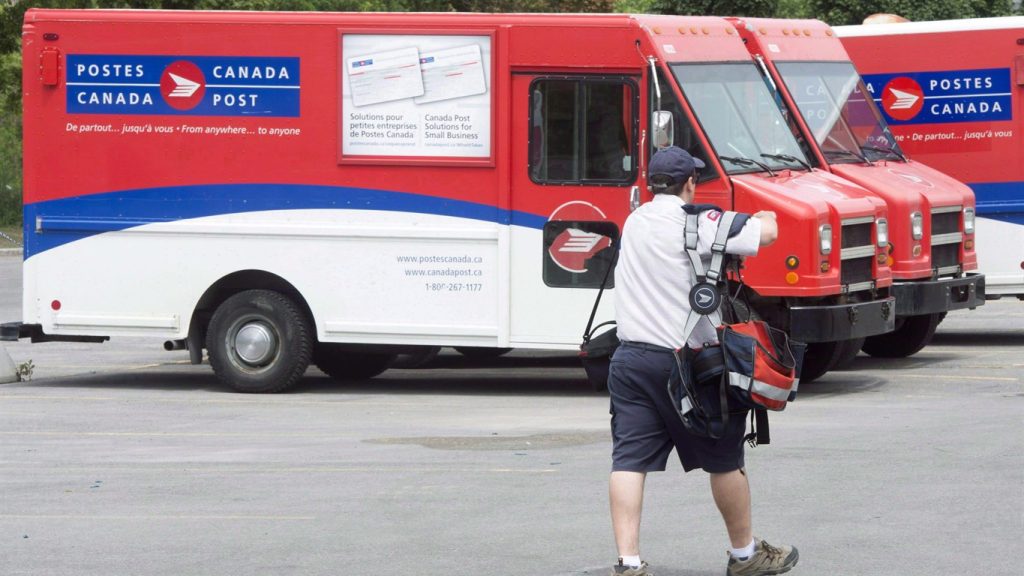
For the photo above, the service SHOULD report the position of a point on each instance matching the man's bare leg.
(626, 495)
(732, 496)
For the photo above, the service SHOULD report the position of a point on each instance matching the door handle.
(634, 198)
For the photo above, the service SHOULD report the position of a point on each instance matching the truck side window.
(582, 131)
(685, 135)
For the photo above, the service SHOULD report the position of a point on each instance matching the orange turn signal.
(792, 278)
(889, 261)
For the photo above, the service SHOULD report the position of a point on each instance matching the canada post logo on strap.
(183, 85)
(943, 97)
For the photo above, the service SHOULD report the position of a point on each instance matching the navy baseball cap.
(673, 162)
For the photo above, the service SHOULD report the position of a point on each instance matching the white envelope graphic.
(452, 73)
(384, 76)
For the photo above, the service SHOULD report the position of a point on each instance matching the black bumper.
(830, 323)
(14, 331)
(935, 296)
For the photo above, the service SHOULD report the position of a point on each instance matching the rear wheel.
(341, 364)
(481, 353)
(259, 341)
(849, 351)
(819, 358)
(909, 338)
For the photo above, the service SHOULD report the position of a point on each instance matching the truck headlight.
(825, 238)
(882, 232)
(916, 226)
(968, 220)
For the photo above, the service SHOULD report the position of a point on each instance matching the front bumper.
(842, 321)
(936, 296)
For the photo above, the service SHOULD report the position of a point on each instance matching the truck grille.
(857, 254)
(946, 222)
(946, 239)
(856, 235)
(946, 256)
(856, 271)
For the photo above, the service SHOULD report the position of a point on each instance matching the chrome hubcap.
(255, 343)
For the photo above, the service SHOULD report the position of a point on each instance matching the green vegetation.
(836, 12)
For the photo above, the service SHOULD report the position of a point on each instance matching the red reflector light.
(55, 305)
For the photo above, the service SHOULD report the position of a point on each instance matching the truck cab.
(827, 279)
(930, 236)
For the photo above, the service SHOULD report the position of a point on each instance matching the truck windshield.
(740, 116)
(847, 126)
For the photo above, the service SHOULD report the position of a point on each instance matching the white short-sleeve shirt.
(653, 276)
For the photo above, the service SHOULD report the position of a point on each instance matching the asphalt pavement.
(120, 458)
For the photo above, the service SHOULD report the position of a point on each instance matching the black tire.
(908, 339)
(819, 358)
(344, 365)
(259, 341)
(849, 351)
(479, 353)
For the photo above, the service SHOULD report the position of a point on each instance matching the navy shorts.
(646, 425)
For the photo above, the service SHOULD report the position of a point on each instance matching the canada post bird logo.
(573, 247)
(182, 85)
(902, 98)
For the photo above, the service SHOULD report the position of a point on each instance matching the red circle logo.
(573, 247)
(902, 98)
(182, 85)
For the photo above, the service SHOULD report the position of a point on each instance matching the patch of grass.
(12, 231)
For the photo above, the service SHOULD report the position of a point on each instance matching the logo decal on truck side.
(183, 85)
(943, 97)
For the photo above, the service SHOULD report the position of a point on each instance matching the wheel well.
(232, 284)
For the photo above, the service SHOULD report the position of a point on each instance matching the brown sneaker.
(620, 570)
(767, 560)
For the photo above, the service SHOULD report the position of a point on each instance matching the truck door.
(575, 170)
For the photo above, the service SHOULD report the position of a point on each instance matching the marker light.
(825, 267)
(968, 244)
(916, 226)
(968, 220)
(792, 262)
(882, 232)
(916, 251)
(55, 305)
(792, 278)
(825, 238)
(882, 259)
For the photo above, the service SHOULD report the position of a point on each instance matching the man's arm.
(769, 227)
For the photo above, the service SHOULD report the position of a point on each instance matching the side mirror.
(662, 129)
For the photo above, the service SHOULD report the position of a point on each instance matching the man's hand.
(769, 227)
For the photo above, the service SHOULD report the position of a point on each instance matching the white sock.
(743, 553)
(631, 561)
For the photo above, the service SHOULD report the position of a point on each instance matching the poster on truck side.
(420, 96)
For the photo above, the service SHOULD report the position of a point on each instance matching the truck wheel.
(915, 333)
(341, 364)
(259, 341)
(819, 358)
(849, 351)
(479, 353)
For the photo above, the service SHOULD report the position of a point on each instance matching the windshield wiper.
(788, 158)
(744, 161)
(892, 151)
(846, 153)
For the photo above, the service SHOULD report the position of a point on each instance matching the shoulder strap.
(597, 301)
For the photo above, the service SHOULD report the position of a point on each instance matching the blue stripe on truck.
(1000, 201)
(53, 223)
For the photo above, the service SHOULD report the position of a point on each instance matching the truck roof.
(967, 24)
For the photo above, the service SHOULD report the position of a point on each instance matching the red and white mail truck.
(931, 244)
(953, 94)
(281, 188)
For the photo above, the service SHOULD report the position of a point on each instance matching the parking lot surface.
(120, 458)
